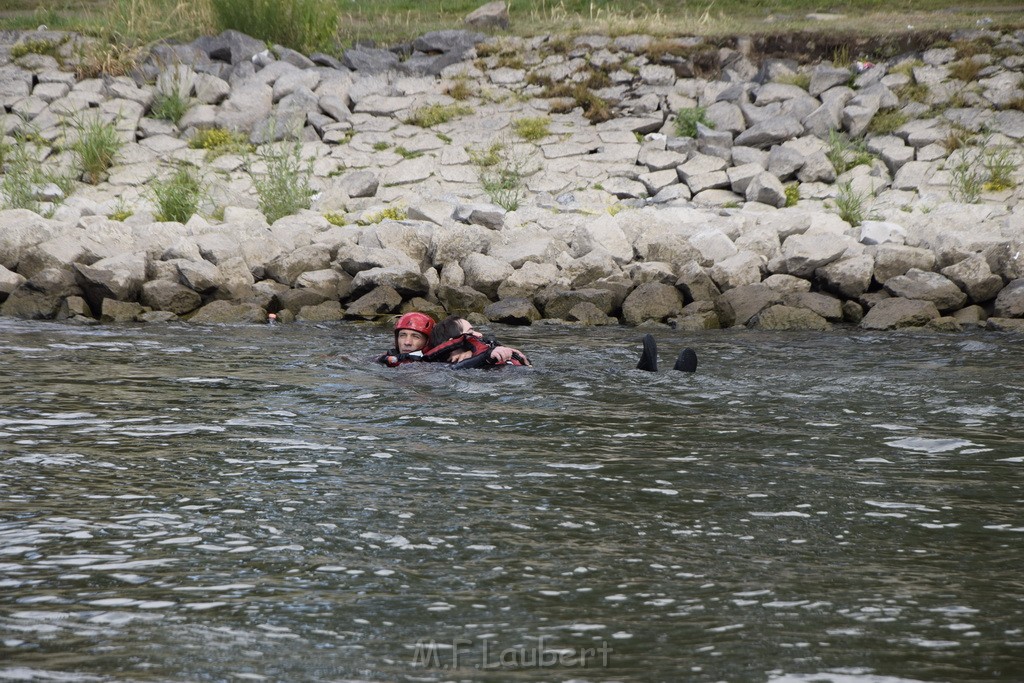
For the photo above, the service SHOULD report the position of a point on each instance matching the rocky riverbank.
(640, 181)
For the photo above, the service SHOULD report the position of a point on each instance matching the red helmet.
(417, 322)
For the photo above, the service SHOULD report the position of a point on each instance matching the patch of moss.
(435, 114)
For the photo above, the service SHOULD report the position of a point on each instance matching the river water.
(180, 503)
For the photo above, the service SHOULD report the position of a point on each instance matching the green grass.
(24, 175)
(532, 128)
(845, 153)
(218, 141)
(304, 22)
(851, 205)
(792, 194)
(687, 120)
(436, 114)
(407, 153)
(303, 25)
(392, 213)
(283, 189)
(169, 106)
(96, 144)
(178, 198)
(887, 121)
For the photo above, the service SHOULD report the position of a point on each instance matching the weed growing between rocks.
(532, 128)
(96, 145)
(26, 183)
(169, 106)
(966, 179)
(887, 121)
(283, 188)
(459, 90)
(217, 142)
(435, 114)
(121, 211)
(1000, 165)
(36, 47)
(335, 218)
(392, 213)
(501, 172)
(178, 198)
(792, 194)
(105, 58)
(800, 80)
(407, 153)
(851, 205)
(687, 120)
(845, 153)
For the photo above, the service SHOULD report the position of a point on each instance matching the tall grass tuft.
(851, 205)
(178, 198)
(283, 189)
(687, 120)
(303, 25)
(96, 145)
(23, 176)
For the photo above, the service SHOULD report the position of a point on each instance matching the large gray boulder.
(896, 259)
(896, 313)
(773, 131)
(456, 241)
(803, 254)
(229, 312)
(927, 286)
(405, 279)
(696, 284)
(485, 273)
(779, 317)
(974, 277)
(559, 304)
(527, 280)
(513, 312)
(653, 301)
(1010, 302)
(822, 305)
(287, 267)
(462, 299)
(743, 268)
(118, 277)
(9, 281)
(21, 229)
(848, 277)
(164, 295)
(604, 234)
(740, 304)
(375, 303)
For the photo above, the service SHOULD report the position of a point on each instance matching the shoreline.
(611, 214)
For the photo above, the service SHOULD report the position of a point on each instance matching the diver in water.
(685, 362)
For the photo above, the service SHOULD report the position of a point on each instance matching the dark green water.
(261, 503)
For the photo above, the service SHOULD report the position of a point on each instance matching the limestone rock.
(485, 273)
(893, 259)
(743, 268)
(513, 312)
(1010, 302)
(560, 304)
(849, 277)
(227, 312)
(739, 305)
(287, 268)
(375, 303)
(113, 311)
(927, 286)
(974, 277)
(895, 313)
(779, 317)
(462, 299)
(328, 311)
(118, 277)
(491, 15)
(804, 253)
(652, 302)
(164, 295)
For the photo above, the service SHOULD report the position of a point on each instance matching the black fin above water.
(649, 357)
(687, 361)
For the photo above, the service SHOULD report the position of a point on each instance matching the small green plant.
(887, 121)
(488, 157)
(616, 208)
(965, 70)
(335, 218)
(391, 213)
(283, 189)
(966, 179)
(435, 114)
(459, 90)
(502, 181)
(121, 211)
(96, 144)
(303, 25)
(217, 142)
(24, 176)
(169, 106)
(687, 120)
(510, 61)
(178, 197)
(36, 47)
(913, 92)
(1001, 166)
(597, 79)
(380, 146)
(792, 194)
(845, 153)
(800, 80)
(443, 138)
(841, 57)
(851, 205)
(406, 153)
(731, 204)
(532, 128)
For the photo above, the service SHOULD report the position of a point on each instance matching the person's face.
(467, 328)
(410, 340)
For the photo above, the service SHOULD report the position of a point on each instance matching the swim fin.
(687, 361)
(649, 357)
